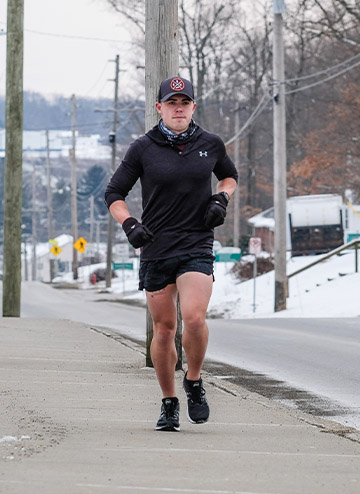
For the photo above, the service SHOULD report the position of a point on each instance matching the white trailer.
(315, 223)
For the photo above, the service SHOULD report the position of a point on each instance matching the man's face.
(177, 112)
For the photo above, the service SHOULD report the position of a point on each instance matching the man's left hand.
(216, 211)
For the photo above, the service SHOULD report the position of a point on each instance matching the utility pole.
(112, 138)
(161, 62)
(91, 235)
(74, 218)
(33, 226)
(49, 203)
(279, 158)
(97, 223)
(25, 260)
(13, 159)
(236, 199)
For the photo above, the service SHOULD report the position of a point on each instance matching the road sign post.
(123, 266)
(255, 250)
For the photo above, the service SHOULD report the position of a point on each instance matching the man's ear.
(158, 107)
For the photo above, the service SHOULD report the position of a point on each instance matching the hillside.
(329, 289)
(42, 113)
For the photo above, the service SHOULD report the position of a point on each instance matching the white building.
(63, 261)
(313, 212)
(60, 143)
(43, 257)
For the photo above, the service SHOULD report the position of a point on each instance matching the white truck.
(315, 223)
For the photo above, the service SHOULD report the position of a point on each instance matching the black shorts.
(156, 275)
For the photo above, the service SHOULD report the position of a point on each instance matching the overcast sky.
(57, 64)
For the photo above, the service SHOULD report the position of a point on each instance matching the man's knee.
(195, 323)
(164, 332)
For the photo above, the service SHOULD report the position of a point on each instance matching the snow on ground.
(329, 289)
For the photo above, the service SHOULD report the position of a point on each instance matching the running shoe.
(169, 417)
(197, 406)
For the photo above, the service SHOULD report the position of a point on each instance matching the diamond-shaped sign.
(55, 249)
(80, 244)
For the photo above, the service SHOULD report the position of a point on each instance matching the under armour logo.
(203, 153)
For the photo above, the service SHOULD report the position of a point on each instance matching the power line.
(72, 36)
(258, 110)
(82, 196)
(61, 207)
(324, 71)
(263, 103)
(68, 128)
(98, 79)
(323, 80)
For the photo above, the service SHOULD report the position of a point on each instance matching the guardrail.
(354, 243)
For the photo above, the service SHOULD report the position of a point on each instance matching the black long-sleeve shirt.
(176, 189)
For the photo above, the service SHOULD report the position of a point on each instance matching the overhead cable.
(258, 110)
(323, 80)
(324, 71)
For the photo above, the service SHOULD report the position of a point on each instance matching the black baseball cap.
(175, 85)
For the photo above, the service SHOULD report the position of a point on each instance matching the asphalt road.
(313, 364)
(320, 358)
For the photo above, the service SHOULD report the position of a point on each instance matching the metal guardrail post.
(356, 258)
(349, 245)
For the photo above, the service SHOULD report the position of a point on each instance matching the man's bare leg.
(195, 292)
(162, 306)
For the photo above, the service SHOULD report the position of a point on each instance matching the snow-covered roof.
(43, 249)
(265, 219)
(63, 239)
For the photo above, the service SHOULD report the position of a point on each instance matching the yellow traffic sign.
(80, 244)
(55, 250)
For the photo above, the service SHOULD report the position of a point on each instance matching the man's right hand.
(137, 234)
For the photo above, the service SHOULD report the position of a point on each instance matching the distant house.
(263, 226)
(63, 261)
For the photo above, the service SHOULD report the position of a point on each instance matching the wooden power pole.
(112, 136)
(34, 226)
(13, 159)
(74, 216)
(161, 62)
(49, 203)
(279, 158)
(236, 200)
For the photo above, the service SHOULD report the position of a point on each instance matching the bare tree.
(226, 50)
(334, 19)
(249, 71)
(204, 39)
(204, 42)
(133, 10)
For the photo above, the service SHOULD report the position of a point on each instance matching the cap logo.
(177, 84)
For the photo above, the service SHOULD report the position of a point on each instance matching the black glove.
(137, 234)
(216, 210)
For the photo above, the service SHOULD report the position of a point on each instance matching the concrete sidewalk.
(78, 411)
